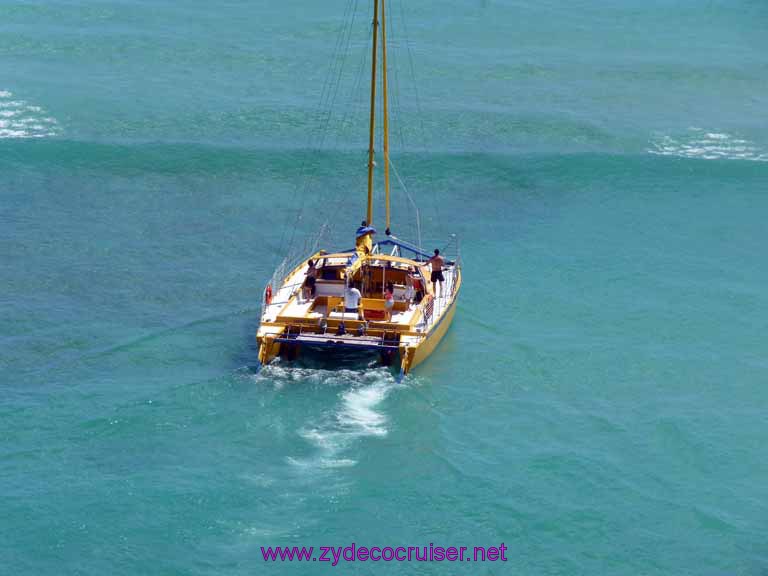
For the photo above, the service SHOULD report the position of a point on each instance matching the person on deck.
(308, 289)
(437, 262)
(352, 299)
(408, 287)
(364, 239)
(389, 301)
(418, 286)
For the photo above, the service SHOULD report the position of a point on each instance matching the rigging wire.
(419, 112)
(397, 108)
(396, 114)
(396, 76)
(352, 107)
(311, 163)
(346, 33)
(345, 127)
(328, 96)
(413, 204)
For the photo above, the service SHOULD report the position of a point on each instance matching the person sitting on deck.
(308, 289)
(352, 300)
(437, 262)
(389, 301)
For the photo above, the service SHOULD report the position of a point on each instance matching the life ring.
(268, 295)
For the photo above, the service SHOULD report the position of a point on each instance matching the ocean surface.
(600, 404)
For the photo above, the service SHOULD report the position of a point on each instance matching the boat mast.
(386, 115)
(373, 111)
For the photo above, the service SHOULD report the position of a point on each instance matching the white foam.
(336, 462)
(357, 414)
(328, 441)
(13, 133)
(707, 146)
(18, 120)
(260, 480)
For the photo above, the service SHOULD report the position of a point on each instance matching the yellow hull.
(430, 342)
(411, 357)
(268, 348)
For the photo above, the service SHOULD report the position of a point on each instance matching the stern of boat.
(407, 333)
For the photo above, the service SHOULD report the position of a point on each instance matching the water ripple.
(18, 119)
(699, 143)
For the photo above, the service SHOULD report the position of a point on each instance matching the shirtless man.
(437, 262)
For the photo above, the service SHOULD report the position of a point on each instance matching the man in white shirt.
(352, 298)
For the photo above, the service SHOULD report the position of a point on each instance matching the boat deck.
(292, 321)
(312, 310)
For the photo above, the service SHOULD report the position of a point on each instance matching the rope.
(413, 204)
(328, 97)
(325, 134)
(351, 108)
(418, 106)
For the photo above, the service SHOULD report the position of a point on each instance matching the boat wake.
(356, 413)
(18, 119)
(699, 143)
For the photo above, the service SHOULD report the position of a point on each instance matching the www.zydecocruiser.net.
(354, 553)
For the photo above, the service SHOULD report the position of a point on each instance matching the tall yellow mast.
(373, 111)
(386, 115)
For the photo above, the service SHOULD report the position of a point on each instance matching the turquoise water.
(599, 404)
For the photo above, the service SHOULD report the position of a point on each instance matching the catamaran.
(385, 296)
